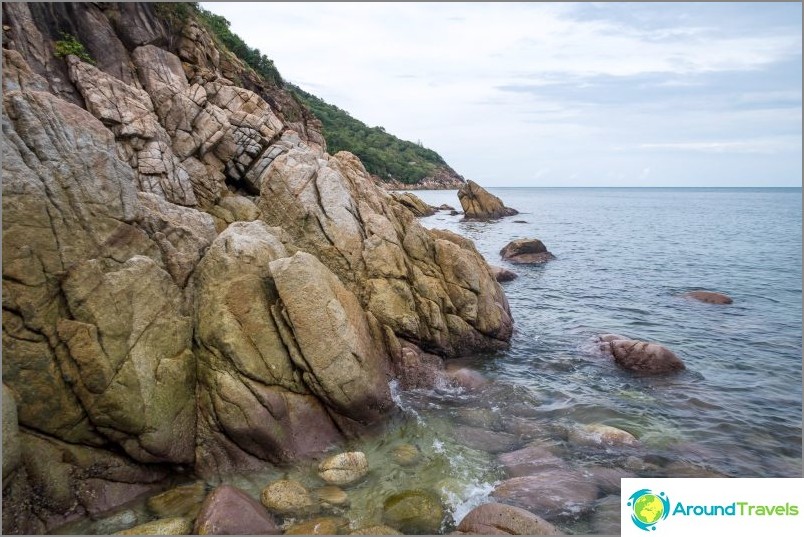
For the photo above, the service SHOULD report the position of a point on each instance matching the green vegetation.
(382, 154)
(68, 44)
(258, 61)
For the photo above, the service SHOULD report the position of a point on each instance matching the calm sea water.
(623, 258)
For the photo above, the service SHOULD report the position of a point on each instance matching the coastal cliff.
(191, 284)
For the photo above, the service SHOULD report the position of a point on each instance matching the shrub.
(68, 44)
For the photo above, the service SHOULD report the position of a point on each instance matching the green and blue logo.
(648, 508)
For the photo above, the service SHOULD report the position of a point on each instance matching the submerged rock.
(479, 204)
(406, 455)
(641, 356)
(554, 493)
(598, 434)
(497, 518)
(414, 512)
(287, 497)
(526, 251)
(163, 526)
(344, 468)
(179, 501)
(502, 274)
(328, 525)
(377, 529)
(230, 511)
(529, 460)
(484, 440)
(710, 297)
(332, 496)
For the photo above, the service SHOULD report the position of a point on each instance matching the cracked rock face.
(189, 280)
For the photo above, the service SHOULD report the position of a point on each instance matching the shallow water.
(623, 257)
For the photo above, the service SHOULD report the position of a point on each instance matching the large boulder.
(230, 511)
(479, 204)
(640, 356)
(287, 497)
(497, 518)
(416, 205)
(413, 512)
(502, 274)
(710, 297)
(526, 251)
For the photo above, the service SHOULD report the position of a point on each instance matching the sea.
(624, 257)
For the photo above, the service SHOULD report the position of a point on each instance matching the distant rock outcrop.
(526, 251)
(479, 204)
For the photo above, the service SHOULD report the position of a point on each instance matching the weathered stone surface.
(413, 512)
(328, 525)
(182, 501)
(378, 529)
(600, 435)
(418, 207)
(526, 251)
(710, 297)
(344, 468)
(479, 204)
(230, 511)
(502, 274)
(162, 526)
(641, 356)
(346, 369)
(288, 498)
(12, 457)
(497, 518)
(553, 493)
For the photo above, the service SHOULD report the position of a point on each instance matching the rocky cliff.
(191, 284)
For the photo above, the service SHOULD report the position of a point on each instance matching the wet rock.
(497, 518)
(230, 511)
(529, 460)
(414, 512)
(607, 479)
(466, 378)
(344, 468)
(163, 526)
(642, 357)
(116, 522)
(414, 203)
(415, 368)
(445, 207)
(377, 529)
(479, 204)
(554, 493)
(485, 440)
(287, 497)
(328, 525)
(520, 222)
(483, 418)
(606, 517)
(502, 274)
(454, 213)
(183, 501)
(688, 469)
(710, 297)
(526, 251)
(406, 455)
(332, 496)
(599, 435)
(12, 456)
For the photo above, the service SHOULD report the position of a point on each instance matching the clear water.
(623, 258)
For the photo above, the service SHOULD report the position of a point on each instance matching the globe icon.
(648, 509)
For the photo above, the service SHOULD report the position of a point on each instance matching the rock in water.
(641, 356)
(502, 274)
(710, 297)
(343, 468)
(497, 518)
(230, 511)
(414, 512)
(179, 501)
(288, 498)
(554, 493)
(523, 251)
(328, 525)
(378, 529)
(598, 434)
(332, 496)
(162, 526)
(406, 454)
(478, 204)
(414, 203)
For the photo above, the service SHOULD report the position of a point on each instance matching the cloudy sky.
(558, 94)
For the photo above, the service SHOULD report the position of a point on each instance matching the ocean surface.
(623, 258)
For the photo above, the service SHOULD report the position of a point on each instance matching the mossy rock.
(414, 512)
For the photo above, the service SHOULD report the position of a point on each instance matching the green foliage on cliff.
(68, 44)
(382, 154)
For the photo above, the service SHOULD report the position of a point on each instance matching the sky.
(557, 94)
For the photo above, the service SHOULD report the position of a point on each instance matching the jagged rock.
(641, 356)
(526, 251)
(162, 526)
(418, 207)
(413, 512)
(502, 274)
(288, 498)
(710, 297)
(230, 511)
(479, 204)
(245, 367)
(423, 287)
(497, 518)
(328, 525)
(344, 468)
